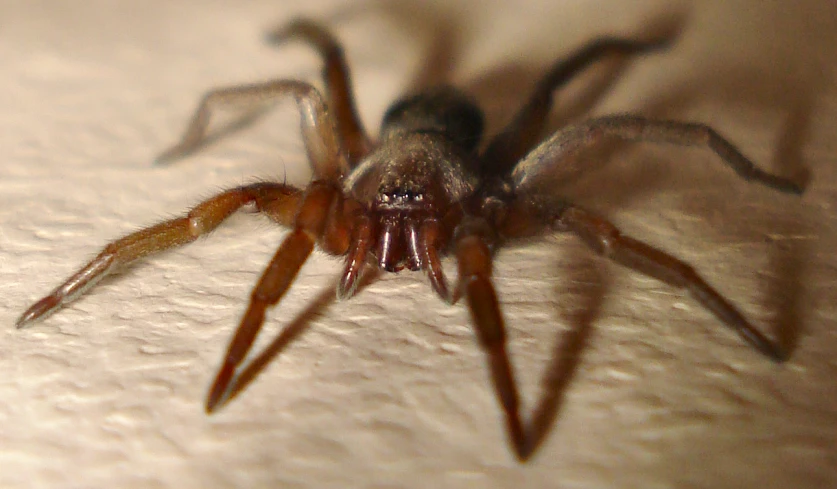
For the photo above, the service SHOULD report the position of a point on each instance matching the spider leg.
(275, 200)
(474, 260)
(318, 129)
(526, 128)
(311, 222)
(534, 169)
(605, 239)
(338, 83)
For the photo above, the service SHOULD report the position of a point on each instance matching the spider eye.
(400, 197)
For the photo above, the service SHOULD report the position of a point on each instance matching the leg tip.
(214, 401)
(297, 27)
(790, 187)
(37, 311)
(778, 354)
(782, 184)
(168, 156)
(218, 394)
(25, 319)
(771, 350)
(523, 452)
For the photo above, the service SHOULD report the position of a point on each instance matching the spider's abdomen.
(443, 110)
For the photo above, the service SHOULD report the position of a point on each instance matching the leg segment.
(474, 258)
(544, 161)
(310, 224)
(525, 129)
(272, 198)
(318, 129)
(606, 240)
(338, 83)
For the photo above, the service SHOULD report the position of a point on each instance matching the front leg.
(318, 127)
(474, 258)
(604, 238)
(315, 210)
(276, 200)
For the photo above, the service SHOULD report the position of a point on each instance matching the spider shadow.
(622, 186)
(439, 32)
(590, 286)
(223, 130)
(505, 88)
(732, 87)
(788, 256)
(776, 92)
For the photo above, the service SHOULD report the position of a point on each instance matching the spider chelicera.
(424, 190)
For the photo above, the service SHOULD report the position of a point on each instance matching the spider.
(424, 190)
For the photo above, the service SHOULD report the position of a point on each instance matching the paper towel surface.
(640, 387)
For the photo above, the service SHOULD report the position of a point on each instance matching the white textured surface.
(389, 389)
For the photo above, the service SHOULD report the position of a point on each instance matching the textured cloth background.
(636, 385)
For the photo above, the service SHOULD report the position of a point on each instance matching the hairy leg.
(526, 128)
(318, 128)
(605, 239)
(338, 83)
(544, 162)
(276, 200)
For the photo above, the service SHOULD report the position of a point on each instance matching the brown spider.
(424, 190)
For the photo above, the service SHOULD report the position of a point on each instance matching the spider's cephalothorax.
(422, 191)
(422, 167)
